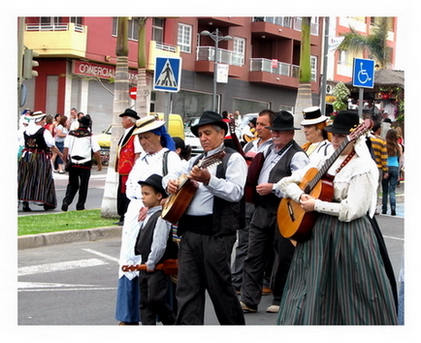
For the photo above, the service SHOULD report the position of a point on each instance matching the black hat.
(344, 122)
(209, 117)
(129, 113)
(155, 181)
(284, 121)
(84, 120)
(313, 115)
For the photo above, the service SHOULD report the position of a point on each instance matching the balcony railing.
(281, 21)
(274, 67)
(207, 53)
(54, 27)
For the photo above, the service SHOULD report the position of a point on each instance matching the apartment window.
(184, 37)
(238, 51)
(158, 30)
(133, 28)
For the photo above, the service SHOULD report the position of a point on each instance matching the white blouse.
(355, 188)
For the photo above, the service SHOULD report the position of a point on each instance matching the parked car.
(190, 138)
(175, 129)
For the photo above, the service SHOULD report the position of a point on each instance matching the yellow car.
(175, 129)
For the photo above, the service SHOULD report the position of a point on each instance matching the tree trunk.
(304, 98)
(142, 96)
(121, 102)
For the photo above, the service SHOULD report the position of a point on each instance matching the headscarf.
(166, 140)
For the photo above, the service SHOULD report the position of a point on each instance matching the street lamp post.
(216, 37)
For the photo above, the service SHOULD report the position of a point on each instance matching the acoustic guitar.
(254, 162)
(177, 203)
(293, 222)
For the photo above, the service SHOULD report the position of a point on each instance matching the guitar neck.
(328, 163)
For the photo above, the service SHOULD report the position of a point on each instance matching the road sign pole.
(360, 102)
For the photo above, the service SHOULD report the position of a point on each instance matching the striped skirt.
(35, 179)
(338, 278)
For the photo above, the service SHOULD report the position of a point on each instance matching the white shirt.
(231, 188)
(81, 146)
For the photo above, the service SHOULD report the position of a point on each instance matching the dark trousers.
(122, 200)
(263, 238)
(204, 264)
(78, 181)
(153, 288)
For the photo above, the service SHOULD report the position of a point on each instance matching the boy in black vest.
(154, 243)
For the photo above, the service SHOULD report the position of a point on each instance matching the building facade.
(77, 63)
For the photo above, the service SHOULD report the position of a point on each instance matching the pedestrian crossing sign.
(167, 74)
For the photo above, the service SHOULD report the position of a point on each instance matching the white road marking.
(60, 266)
(391, 237)
(108, 257)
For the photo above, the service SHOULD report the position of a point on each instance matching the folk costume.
(35, 178)
(80, 144)
(154, 244)
(342, 275)
(128, 294)
(126, 151)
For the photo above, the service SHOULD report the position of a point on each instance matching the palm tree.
(142, 88)
(375, 44)
(304, 99)
(121, 102)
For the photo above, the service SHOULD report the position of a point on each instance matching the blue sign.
(167, 74)
(363, 73)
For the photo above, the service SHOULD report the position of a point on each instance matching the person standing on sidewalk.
(78, 147)
(128, 151)
(394, 153)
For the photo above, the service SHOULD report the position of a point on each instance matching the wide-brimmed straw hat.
(209, 118)
(313, 115)
(284, 121)
(147, 124)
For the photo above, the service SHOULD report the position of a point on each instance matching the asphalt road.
(75, 283)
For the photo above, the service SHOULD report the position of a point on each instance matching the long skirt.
(35, 179)
(338, 277)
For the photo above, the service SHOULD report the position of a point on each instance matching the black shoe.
(393, 213)
(25, 207)
(384, 212)
(64, 207)
(48, 207)
(120, 223)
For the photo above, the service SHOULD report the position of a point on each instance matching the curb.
(53, 238)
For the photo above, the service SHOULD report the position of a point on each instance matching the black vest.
(36, 141)
(280, 170)
(226, 217)
(145, 237)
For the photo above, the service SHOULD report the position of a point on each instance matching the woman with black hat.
(341, 275)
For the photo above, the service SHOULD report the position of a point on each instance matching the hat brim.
(195, 129)
(149, 127)
(314, 121)
(274, 128)
(336, 130)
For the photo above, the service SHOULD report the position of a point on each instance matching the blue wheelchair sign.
(363, 73)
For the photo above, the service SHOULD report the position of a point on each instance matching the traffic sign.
(167, 74)
(133, 93)
(363, 73)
